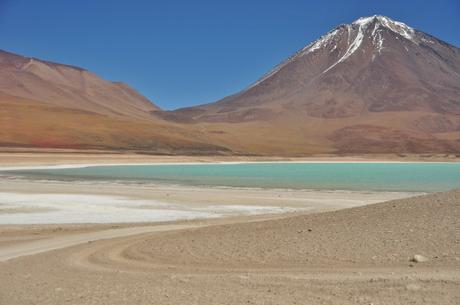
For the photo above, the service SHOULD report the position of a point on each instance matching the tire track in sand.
(60, 242)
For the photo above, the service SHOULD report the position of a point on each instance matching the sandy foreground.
(352, 256)
(331, 248)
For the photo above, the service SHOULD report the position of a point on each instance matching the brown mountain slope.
(44, 104)
(375, 85)
(71, 87)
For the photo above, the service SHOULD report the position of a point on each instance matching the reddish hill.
(71, 87)
(49, 105)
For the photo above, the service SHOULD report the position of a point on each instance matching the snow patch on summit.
(351, 48)
(357, 32)
(380, 23)
(395, 26)
(377, 38)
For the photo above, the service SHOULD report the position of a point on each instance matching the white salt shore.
(57, 202)
(16, 208)
(31, 202)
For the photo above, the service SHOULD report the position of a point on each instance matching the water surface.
(412, 177)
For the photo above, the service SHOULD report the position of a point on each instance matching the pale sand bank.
(39, 202)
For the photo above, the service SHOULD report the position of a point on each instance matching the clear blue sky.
(182, 52)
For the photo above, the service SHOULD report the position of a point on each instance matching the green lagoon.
(412, 177)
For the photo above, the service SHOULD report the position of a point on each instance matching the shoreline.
(33, 202)
(46, 159)
(66, 166)
(186, 200)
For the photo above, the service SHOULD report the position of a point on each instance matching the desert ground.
(401, 251)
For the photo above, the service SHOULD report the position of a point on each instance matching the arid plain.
(334, 254)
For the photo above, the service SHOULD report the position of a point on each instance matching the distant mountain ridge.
(372, 86)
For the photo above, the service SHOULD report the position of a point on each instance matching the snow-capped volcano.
(374, 83)
(356, 33)
(381, 21)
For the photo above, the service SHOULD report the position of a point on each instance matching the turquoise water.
(417, 177)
